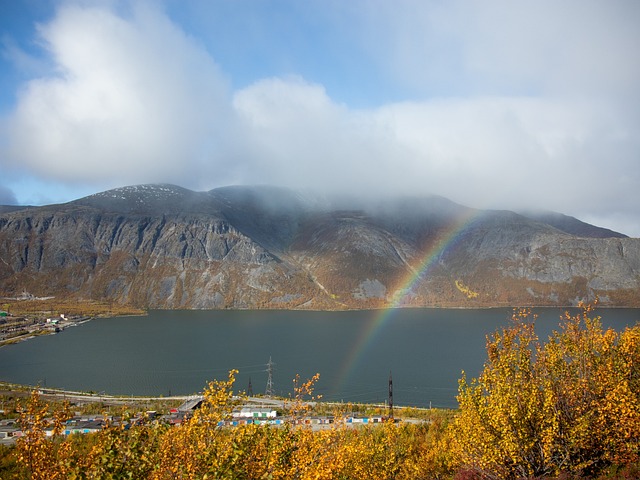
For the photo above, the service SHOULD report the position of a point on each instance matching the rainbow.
(428, 259)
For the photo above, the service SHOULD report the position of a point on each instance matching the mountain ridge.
(164, 246)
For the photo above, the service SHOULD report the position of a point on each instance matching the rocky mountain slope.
(162, 246)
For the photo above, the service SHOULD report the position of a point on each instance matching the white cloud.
(500, 46)
(300, 137)
(130, 100)
(510, 151)
(487, 152)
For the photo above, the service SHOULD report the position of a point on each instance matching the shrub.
(570, 405)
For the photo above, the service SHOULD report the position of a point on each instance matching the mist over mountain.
(572, 225)
(163, 246)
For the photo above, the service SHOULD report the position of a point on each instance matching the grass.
(56, 307)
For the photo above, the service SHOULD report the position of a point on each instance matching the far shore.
(37, 312)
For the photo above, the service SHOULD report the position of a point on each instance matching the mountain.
(11, 208)
(163, 246)
(572, 225)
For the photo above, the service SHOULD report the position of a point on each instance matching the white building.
(254, 412)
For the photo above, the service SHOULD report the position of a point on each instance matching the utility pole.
(390, 396)
(268, 392)
(250, 389)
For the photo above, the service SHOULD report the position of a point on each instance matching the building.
(249, 411)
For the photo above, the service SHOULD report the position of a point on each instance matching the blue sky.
(493, 104)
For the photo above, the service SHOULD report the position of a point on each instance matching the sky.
(492, 104)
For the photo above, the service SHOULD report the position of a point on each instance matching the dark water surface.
(177, 352)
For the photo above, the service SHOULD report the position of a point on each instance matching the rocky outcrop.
(162, 246)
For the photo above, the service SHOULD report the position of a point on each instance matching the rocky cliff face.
(163, 246)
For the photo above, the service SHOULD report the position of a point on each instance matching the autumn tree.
(39, 453)
(197, 447)
(570, 405)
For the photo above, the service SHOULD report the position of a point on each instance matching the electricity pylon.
(268, 392)
(390, 396)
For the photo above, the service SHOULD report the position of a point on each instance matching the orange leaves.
(199, 448)
(571, 404)
(35, 452)
(300, 406)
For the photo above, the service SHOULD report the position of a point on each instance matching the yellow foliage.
(38, 454)
(570, 405)
(466, 290)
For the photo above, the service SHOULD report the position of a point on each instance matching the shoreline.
(45, 330)
(68, 323)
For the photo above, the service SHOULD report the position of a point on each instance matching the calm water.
(177, 352)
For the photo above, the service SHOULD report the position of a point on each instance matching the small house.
(254, 412)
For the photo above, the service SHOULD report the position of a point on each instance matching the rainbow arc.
(428, 260)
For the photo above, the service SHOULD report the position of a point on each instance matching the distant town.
(27, 316)
(18, 328)
(94, 412)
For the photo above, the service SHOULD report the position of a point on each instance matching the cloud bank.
(131, 99)
(7, 197)
(510, 106)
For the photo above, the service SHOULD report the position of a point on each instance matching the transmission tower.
(268, 392)
(390, 396)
